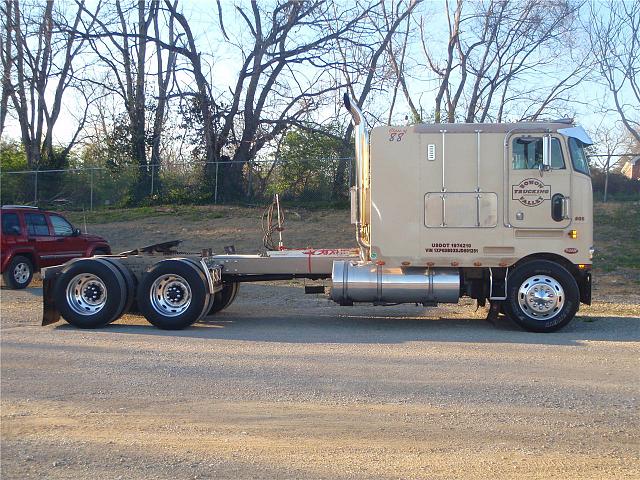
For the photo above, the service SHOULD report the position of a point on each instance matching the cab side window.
(10, 224)
(61, 227)
(36, 224)
(527, 153)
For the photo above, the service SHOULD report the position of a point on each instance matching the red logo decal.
(570, 250)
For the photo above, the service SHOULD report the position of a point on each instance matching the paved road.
(283, 385)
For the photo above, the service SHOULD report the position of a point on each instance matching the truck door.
(538, 195)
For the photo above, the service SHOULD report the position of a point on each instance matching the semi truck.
(498, 212)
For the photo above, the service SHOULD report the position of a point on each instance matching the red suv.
(33, 238)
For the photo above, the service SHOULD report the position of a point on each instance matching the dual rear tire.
(91, 293)
(172, 295)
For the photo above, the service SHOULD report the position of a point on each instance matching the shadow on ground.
(390, 328)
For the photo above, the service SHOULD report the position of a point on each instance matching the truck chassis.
(538, 286)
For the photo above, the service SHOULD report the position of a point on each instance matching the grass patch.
(186, 212)
(617, 236)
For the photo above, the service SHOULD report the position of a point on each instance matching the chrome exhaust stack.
(360, 192)
(352, 282)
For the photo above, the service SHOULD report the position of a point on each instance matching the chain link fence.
(303, 181)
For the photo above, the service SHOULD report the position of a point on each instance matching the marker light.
(573, 234)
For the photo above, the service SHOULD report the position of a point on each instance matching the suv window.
(527, 153)
(61, 227)
(10, 224)
(36, 224)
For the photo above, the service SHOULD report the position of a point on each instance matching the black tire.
(558, 301)
(130, 284)
(224, 297)
(71, 300)
(19, 273)
(161, 312)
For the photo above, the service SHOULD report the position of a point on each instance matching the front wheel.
(542, 296)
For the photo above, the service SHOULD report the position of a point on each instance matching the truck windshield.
(579, 159)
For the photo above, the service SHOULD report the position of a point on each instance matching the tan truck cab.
(499, 212)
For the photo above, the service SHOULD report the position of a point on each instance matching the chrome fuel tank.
(355, 282)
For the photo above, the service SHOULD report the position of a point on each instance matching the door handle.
(565, 208)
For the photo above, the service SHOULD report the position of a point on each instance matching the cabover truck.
(499, 212)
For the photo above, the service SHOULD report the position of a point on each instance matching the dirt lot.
(283, 385)
(216, 227)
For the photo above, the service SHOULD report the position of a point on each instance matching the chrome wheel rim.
(21, 272)
(541, 297)
(86, 294)
(170, 295)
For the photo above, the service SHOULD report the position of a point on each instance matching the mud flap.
(50, 313)
(584, 283)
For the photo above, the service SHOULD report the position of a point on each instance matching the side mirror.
(76, 232)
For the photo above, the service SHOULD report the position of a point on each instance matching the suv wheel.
(19, 272)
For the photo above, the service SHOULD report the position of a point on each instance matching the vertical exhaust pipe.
(362, 174)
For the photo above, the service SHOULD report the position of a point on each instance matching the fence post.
(151, 193)
(91, 191)
(35, 189)
(215, 194)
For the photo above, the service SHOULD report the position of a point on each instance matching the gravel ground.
(283, 385)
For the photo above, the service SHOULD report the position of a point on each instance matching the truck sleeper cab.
(506, 209)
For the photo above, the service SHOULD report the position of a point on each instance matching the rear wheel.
(542, 296)
(224, 297)
(173, 294)
(90, 293)
(130, 284)
(19, 273)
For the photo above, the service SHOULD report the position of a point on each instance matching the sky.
(202, 16)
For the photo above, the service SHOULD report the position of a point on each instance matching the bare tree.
(610, 141)
(119, 35)
(397, 57)
(614, 31)
(39, 65)
(501, 58)
(7, 60)
(280, 82)
(164, 73)
(361, 60)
